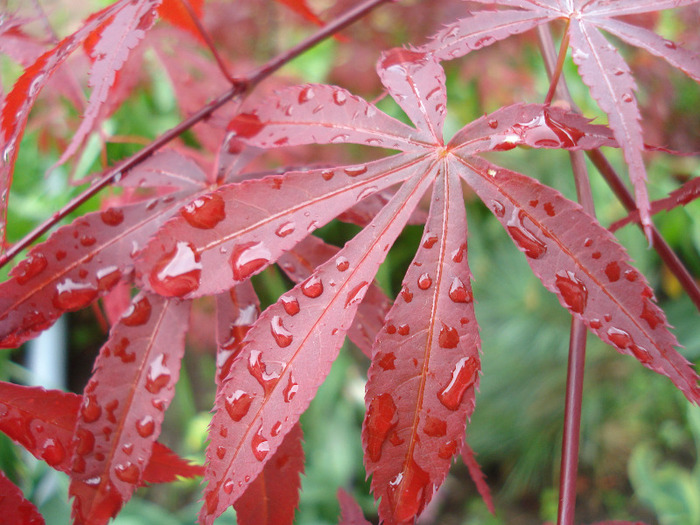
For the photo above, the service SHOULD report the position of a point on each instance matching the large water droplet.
(380, 420)
(526, 240)
(406, 294)
(291, 389)
(612, 270)
(53, 452)
(260, 445)
(356, 295)
(290, 304)
(306, 94)
(342, 264)
(90, 410)
(246, 125)
(238, 404)
(458, 292)
(145, 426)
(138, 313)
(354, 171)
(285, 229)
(573, 291)
(463, 376)
(158, 375)
(128, 473)
(29, 267)
(85, 441)
(87, 240)
(408, 491)
(112, 216)
(568, 136)
(71, 296)
(282, 336)
(249, 258)
(620, 338)
(424, 281)
(312, 287)
(178, 272)
(107, 278)
(448, 338)
(339, 97)
(258, 370)
(205, 212)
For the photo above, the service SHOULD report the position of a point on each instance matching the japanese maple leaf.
(600, 65)
(426, 357)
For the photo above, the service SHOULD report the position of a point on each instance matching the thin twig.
(239, 88)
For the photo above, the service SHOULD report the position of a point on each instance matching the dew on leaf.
(387, 361)
(356, 295)
(342, 264)
(339, 97)
(107, 278)
(91, 410)
(380, 420)
(631, 275)
(138, 313)
(29, 267)
(408, 491)
(285, 229)
(220, 452)
(119, 349)
(228, 486)
(282, 336)
(448, 338)
(435, 427)
(493, 123)
(258, 370)
(306, 94)
(248, 258)
(85, 441)
(339, 139)
(53, 452)
(406, 295)
(178, 272)
(568, 137)
(71, 296)
(595, 324)
(246, 125)
(573, 291)
(498, 208)
(112, 216)
(430, 241)
(212, 501)
(447, 450)
(619, 338)
(275, 430)
(290, 304)
(312, 287)
(128, 473)
(354, 171)
(60, 255)
(327, 174)
(260, 445)
(424, 281)
(87, 240)
(463, 376)
(612, 270)
(651, 315)
(158, 375)
(145, 426)
(458, 292)
(526, 240)
(290, 390)
(627, 97)
(238, 404)
(404, 329)
(205, 212)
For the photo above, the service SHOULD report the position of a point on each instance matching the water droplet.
(549, 209)
(568, 137)
(404, 329)
(90, 410)
(339, 97)
(327, 174)
(627, 97)
(339, 139)
(651, 314)
(483, 41)
(498, 208)
(619, 338)
(60, 255)
(342, 264)
(390, 329)
(669, 44)
(447, 450)
(588, 242)
(238, 404)
(87, 240)
(178, 272)
(354, 171)
(112, 216)
(458, 292)
(430, 241)
(642, 354)
(260, 445)
(282, 336)
(379, 421)
(53, 452)
(290, 390)
(71, 296)
(424, 281)
(387, 361)
(246, 125)
(249, 258)
(527, 241)
(408, 492)
(435, 427)
(107, 278)
(205, 212)
(29, 267)
(493, 123)
(158, 375)
(145, 426)
(458, 254)
(128, 473)
(596, 255)
(572, 290)
(138, 313)
(631, 275)
(128, 448)
(285, 229)
(212, 501)
(406, 295)
(595, 324)
(306, 94)
(312, 287)
(612, 270)
(290, 304)
(448, 338)
(356, 295)
(275, 430)
(463, 376)
(220, 452)
(119, 350)
(258, 370)
(228, 486)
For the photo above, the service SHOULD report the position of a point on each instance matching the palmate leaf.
(14, 508)
(425, 366)
(600, 65)
(43, 422)
(122, 410)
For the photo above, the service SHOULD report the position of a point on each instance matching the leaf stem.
(555, 72)
(239, 88)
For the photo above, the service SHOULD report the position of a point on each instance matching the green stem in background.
(240, 87)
